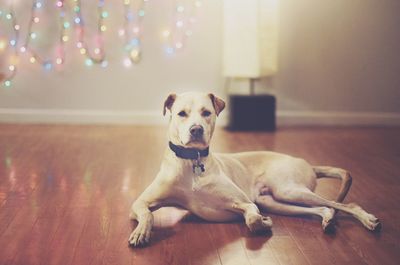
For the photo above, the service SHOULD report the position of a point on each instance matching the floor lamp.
(250, 41)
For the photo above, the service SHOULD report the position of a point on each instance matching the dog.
(222, 187)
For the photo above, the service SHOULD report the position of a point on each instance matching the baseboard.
(47, 116)
(335, 118)
(284, 118)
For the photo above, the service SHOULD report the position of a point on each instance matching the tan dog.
(221, 187)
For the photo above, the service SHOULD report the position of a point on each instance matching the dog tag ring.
(198, 168)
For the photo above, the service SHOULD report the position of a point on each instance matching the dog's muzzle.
(197, 131)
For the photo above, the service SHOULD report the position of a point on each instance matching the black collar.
(188, 153)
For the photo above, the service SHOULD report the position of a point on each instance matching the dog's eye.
(182, 113)
(206, 113)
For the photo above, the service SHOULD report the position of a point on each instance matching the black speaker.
(252, 113)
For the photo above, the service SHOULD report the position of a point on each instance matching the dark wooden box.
(252, 113)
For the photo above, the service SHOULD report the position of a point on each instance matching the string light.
(89, 62)
(99, 55)
(3, 45)
(104, 64)
(180, 9)
(175, 36)
(12, 50)
(34, 56)
(132, 31)
(166, 33)
(134, 13)
(127, 62)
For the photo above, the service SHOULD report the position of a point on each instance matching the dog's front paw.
(258, 223)
(140, 236)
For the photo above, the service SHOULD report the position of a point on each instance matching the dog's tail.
(337, 173)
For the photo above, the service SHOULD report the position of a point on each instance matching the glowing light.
(66, 24)
(135, 54)
(7, 83)
(97, 51)
(32, 59)
(38, 5)
(135, 42)
(22, 49)
(178, 45)
(103, 28)
(3, 45)
(179, 23)
(104, 14)
(36, 19)
(65, 38)
(121, 32)
(104, 64)
(11, 68)
(77, 20)
(166, 33)
(17, 27)
(82, 51)
(13, 42)
(128, 47)
(47, 66)
(170, 50)
(59, 61)
(129, 16)
(33, 35)
(89, 62)
(9, 16)
(59, 3)
(79, 44)
(180, 9)
(127, 62)
(136, 30)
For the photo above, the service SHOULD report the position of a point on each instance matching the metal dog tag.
(198, 169)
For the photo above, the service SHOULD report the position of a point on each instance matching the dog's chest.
(210, 199)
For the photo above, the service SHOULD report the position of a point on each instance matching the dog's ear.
(169, 102)
(218, 103)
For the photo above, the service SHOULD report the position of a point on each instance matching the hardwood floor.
(65, 193)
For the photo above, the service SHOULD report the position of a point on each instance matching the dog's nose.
(196, 130)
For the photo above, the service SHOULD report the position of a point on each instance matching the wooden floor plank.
(65, 193)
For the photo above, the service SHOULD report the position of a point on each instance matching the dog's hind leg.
(269, 204)
(300, 194)
(337, 173)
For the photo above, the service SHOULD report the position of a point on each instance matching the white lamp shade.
(250, 38)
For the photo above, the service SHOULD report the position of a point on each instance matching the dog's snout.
(196, 130)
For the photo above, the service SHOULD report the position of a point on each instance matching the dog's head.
(193, 116)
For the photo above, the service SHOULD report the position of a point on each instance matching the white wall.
(339, 64)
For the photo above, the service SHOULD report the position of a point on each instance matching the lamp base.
(252, 113)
